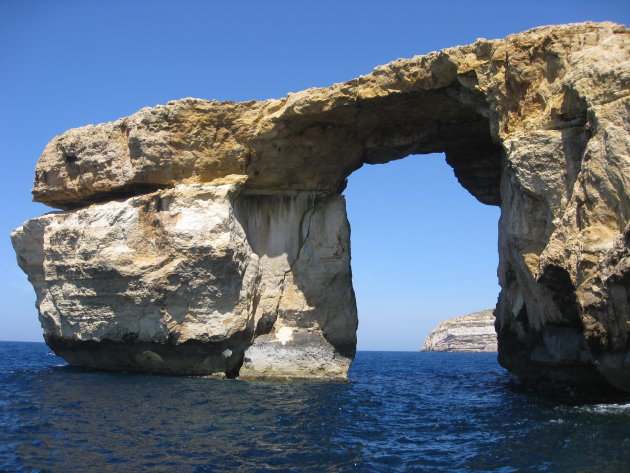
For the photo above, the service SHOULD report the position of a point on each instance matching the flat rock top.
(463, 99)
(482, 319)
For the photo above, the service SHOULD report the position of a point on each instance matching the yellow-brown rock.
(536, 123)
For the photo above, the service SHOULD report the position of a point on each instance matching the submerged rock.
(211, 237)
(469, 333)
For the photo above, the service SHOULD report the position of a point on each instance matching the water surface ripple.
(401, 412)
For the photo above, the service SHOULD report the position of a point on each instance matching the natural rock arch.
(217, 240)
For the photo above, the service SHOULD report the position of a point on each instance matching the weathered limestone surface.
(211, 237)
(183, 280)
(466, 333)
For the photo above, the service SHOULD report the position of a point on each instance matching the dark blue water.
(401, 412)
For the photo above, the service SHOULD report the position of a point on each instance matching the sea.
(399, 412)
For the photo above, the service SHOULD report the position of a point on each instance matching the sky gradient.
(423, 249)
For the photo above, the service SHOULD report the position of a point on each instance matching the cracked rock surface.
(211, 237)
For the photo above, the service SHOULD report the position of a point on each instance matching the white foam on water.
(607, 408)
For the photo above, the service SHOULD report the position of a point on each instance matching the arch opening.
(423, 250)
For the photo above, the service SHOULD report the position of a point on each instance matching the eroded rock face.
(466, 333)
(185, 280)
(536, 123)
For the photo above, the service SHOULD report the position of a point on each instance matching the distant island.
(467, 333)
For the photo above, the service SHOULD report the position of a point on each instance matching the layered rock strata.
(211, 237)
(466, 333)
(197, 279)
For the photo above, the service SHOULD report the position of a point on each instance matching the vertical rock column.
(564, 309)
(305, 311)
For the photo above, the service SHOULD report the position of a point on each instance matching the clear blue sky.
(423, 248)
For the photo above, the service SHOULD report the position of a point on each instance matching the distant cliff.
(473, 332)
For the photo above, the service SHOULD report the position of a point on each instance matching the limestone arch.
(335, 143)
(536, 123)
